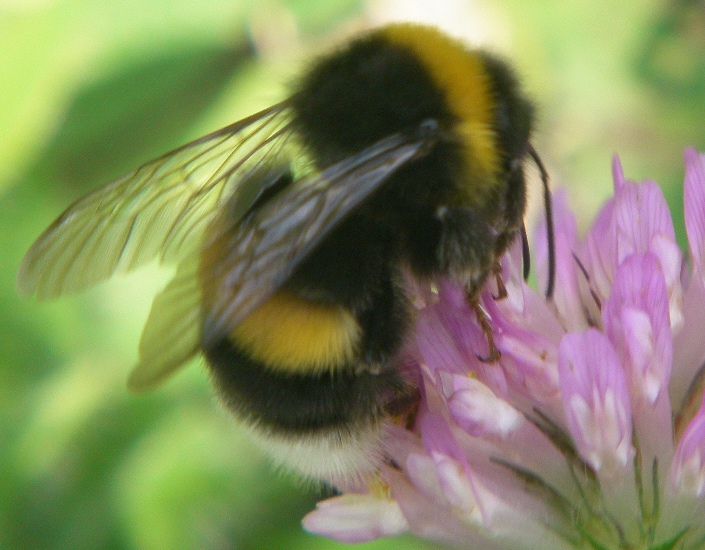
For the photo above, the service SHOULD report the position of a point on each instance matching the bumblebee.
(401, 151)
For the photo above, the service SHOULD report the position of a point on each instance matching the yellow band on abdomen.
(461, 74)
(290, 334)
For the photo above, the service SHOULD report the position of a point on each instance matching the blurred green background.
(90, 89)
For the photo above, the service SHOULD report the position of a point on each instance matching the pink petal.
(563, 223)
(671, 259)
(528, 356)
(356, 518)
(636, 319)
(512, 517)
(599, 253)
(456, 487)
(460, 321)
(530, 360)
(617, 174)
(640, 287)
(436, 344)
(566, 295)
(688, 467)
(480, 413)
(513, 271)
(647, 363)
(428, 517)
(423, 473)
(689, 343)
(694, 207)
(477, 410)
(438, 438)
(643, 224)
(535, 314)
(439, 443)
(596, 402)
(641, 212)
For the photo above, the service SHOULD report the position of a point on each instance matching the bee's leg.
(404, 406)
(402, 409)
(466, 248)
(501, 289)
(467, 251)
(484, 321)
(472, 294)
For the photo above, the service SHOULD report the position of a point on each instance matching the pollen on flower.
(379, 488)
(568, 441)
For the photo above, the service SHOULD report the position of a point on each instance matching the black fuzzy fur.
(346, 102)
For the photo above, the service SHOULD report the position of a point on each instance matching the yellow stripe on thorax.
(294, 335)
(461, 74)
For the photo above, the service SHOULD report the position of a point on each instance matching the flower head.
(589, 432)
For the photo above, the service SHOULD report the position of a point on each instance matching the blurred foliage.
(90, 89)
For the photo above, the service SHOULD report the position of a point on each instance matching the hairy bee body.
(289, 282)
(315, 361)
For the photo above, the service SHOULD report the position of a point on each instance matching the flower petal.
(689, 344)
(490, 461)
(643, 224)
(688, 468)
(694, 208)
(431, 518)
(641, 212)
(437, 348)
(566, 293)
(596, 402)
(599, 252)
(528, 356)
(636, 319)
(356, 518)
(482, 414)
(617, 174)
(479, 411)
(671, 259)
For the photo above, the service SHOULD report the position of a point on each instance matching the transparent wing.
(160, 210)
(263, 250)
(172, 334)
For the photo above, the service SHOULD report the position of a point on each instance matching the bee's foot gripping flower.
(590, 430)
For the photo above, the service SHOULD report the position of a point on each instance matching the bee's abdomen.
(294, 365)
(303, 366)
(292, 335)
(317, 354)
(285, 402)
